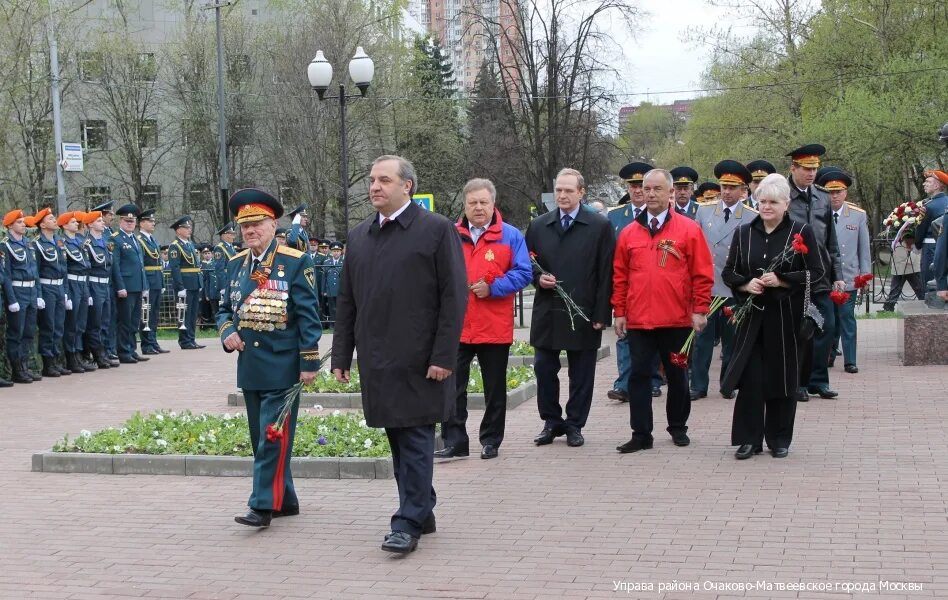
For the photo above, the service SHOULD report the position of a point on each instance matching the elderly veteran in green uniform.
(685, 179)
(184, 262)
(719, 219)
(268, 315)
(297, 237)
(758, 170)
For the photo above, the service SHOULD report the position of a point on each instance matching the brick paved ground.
(861, 499)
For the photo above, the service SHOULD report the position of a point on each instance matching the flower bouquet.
(572, 309)
(903, 218)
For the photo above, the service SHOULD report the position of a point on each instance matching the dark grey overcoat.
(581, 258)
(401, 306)
(778, 311)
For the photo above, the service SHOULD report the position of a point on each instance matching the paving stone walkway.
(861, 501)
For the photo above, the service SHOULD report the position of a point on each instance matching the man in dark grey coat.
(812, 206)
(401, 305)
(574, 245)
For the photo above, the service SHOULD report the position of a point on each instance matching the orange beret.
(11, 217)
(66, 217)
(939, 175)
(38, 217)
(90, 217)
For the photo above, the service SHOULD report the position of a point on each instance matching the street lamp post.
(361, 70)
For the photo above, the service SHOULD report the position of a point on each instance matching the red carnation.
(489, 278)
(273, 433)
(728, 311)
(839, 298)
(798, 245)
(679, 359)
(863, 280)
(533, 254)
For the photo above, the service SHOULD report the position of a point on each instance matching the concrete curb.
(515, 398)
(211, 466)
(520, 361)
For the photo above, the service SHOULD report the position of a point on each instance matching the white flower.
(322, 429)
(123, 430)
(155, 433)
(367, 443)
(318, 407)
(201, 438)
(203, 417)
(362, 423)
(160, 417)
(227, 416)
(85, 433)
(117, 448)
(353, 440)
(172, 414)
(336, 413)
(161, 443)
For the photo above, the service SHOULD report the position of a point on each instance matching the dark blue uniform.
(95, 339)
(77, 288)
(23, 276)
(223, 252)
(128, 273)
(332, 274)
(185, 265)
(154, 283)
(51, 262)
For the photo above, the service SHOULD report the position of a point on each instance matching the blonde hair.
(580, 181)
(477, 184)
(774, 187)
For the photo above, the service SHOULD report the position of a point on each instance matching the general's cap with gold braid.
(185, 221)
(708, 191)
(731, 172)
(760, 169)
(11, 217)
(634, 172)
(939, 175)
(808, 156)
(834, 180)
(684, 176)
(252, 204)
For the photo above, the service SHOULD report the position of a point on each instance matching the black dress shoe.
(139, 357)
(111, 356)
(255, 518)
(574, 438)
(617, 395)
(149, 352)
(429, 526)
(831, 363)
(452, 452)
(851, 369)
(200, 346)
(127, 360)
(680, 438)
(489, 451)
(727, 396)
(744, 452)
(161, 350)
(286, 511)
(399, 542)
(696, 395)
(822, 392)
(547, 436)
(780, 452)
(802, 396)
(634, 445)
(4, 383)
(189, 347)
(656, 392)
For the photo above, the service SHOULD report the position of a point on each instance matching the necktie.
(476, 233)
(255, 265)
(836, 217)
(680, 210)
(727, 214)
(654, 225)
(385, 221)
(638, 211)
(566, 221)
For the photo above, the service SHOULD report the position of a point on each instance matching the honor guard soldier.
(718, 220)
(51, 263)
(281, 236)
(631, 205)
(185, 265)
(758, 170)
(708, 191)
(108, 324)
(852, 234)
(210, 289)
(322, 252)
(100, 273)
(322, 255)
(685, 179)
(223, 252)
(129, 281)
(268, 314)
(332, 273)
(77, 289)
(154, 282)
(313, 247)
(7, 296)
(22, 301)
(297, 237)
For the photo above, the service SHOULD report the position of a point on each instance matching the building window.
(151, 196)
(91, 67)
(95, 195)
(146, 68)
(198, 195)
(94, 135)
(148, 133)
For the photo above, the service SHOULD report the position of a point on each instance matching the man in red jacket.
(661, 290)
(498, 266)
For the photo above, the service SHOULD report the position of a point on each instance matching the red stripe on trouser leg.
(279, 487)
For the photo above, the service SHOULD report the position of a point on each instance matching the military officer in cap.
(297, 237)
(281, 236)
(719, 219)
(685, 179)
(51, 263)
(154, 282)
(708, 192)
(852, 233)
(812, 206)
(185, 265)
(332, 273)
(313, 247)
(21, 273)
(210, 287)
(758, 170)
(223, 252)
(268, 315)
(129, 281)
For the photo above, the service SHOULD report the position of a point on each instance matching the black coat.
(778, 311)
(581, 259)
(401, 306)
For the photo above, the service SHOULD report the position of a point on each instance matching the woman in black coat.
(765, 365)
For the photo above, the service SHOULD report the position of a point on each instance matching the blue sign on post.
(426, 201)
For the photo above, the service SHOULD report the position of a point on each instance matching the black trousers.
(757, 414)
(129, 316)
(582, 375)
(644, 344)
(492, 359)
(413, 459)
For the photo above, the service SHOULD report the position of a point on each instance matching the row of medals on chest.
(264, 310)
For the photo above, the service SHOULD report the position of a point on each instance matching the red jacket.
(500, 258)
(650, 294)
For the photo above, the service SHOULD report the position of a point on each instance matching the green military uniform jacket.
(275, 315)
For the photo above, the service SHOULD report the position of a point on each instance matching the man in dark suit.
(574, 248)
(401, 305)
(278, 348)
(128, 279)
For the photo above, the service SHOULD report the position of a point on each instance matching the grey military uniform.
(852, 234)
(718, 234)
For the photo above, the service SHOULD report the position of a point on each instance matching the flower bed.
(325, 382)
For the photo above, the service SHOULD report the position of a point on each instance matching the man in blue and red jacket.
(498, 266)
